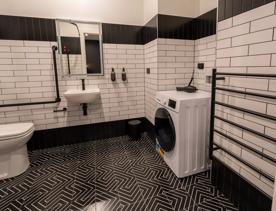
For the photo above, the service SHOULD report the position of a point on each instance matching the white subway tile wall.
(171, 63)
(151, 79)
(26, 75)
(246, 44)
(205, 52)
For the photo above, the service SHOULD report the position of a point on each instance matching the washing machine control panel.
(167, 102)
(172, 103)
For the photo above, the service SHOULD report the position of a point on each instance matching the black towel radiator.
(213, 146)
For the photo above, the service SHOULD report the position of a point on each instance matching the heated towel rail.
(57, 99)
(213, 146)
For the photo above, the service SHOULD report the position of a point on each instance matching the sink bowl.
(82, 96)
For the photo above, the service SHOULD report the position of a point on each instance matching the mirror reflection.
(80, 47)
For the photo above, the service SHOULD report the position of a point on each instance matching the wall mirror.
(80, 47)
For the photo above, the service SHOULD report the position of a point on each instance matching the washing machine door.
(164, 129)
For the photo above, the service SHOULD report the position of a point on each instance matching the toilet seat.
(17, 130)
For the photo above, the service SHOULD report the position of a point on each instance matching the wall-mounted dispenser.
(124, 76)
(113, 75)
(200, 66)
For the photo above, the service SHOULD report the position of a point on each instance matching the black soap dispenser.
(113, 75)
(124, 76)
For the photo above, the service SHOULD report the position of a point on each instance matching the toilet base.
(14, 163)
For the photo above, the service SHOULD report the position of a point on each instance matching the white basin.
(82, 96)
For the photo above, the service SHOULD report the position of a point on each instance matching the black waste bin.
(134, 129)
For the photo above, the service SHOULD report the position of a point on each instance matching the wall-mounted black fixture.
(124, 76)
(113, 75)
(83, 84)
(60, 110)
(200, 66)
(57, 100)
(84, 108)
(148, 70)
(67, 51)
(84, 105)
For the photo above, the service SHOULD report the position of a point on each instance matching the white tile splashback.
(27, 76)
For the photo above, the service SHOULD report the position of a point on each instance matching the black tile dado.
(76, 134)
(237, 8)
(175, 27)
(205, 24)
(122, 34)
(150, 30)
(105, 175)
(230, 8)
(27, 28)
(239, 191)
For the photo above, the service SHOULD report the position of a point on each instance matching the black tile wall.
(205, 25)
(77, 134)
(150, 30)
(175, 27)
(122, 34)
(162, 26)
(244, 196)
(27, 28)
(230, 8)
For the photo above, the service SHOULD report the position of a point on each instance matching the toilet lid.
(8, 131)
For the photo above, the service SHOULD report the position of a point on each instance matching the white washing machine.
(182, 130)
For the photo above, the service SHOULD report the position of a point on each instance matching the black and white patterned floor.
(104, 175)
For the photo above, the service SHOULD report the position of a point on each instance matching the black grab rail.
(222, 76)
(57, 100)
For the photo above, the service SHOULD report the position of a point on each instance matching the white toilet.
(14, 158)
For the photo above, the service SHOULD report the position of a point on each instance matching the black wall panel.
(27, 28)
(230, 8)
(150, 30)
(82, 133)
(162, 26)
(122, 34)
(129, 34)
(205, 25)
(175, 27)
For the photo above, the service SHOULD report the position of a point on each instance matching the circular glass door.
(164, 128)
